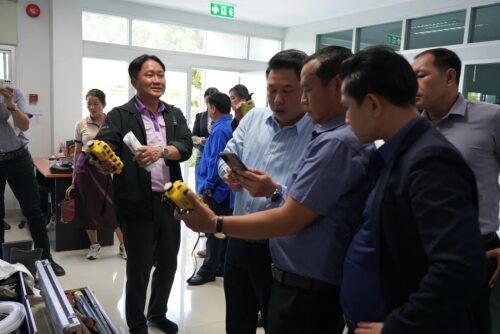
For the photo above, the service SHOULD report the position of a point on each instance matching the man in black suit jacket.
(421, 216)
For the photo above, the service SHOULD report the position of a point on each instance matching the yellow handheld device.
(176, 193)
(102, 152)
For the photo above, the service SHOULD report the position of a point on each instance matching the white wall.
(303, 37)
(33, 73)
(66, 62)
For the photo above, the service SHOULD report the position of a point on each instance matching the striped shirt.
(474, 129)
(9, 140)
(260, 143)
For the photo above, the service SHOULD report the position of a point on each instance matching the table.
(68, 236)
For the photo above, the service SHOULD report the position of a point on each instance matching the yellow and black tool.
(176, 193)
(102, 152)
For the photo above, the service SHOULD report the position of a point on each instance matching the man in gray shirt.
(16, 168)
(474, 129)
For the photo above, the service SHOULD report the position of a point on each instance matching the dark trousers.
(216, 248)
(481, 307)
(297, 311)
(20, 175)
(148, 244)
(2, 204)
(46, 189)
(247, 286)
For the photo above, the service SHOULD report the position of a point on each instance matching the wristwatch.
(165, 153)
(277, 195)
(219, 228)
(16, 108)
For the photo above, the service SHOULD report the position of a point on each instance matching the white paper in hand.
(133, 143)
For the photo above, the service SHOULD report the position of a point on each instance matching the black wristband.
(219, 224)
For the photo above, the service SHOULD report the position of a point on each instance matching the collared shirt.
(10, 139)
(207, 173)
(260, 143)
(156, 135)
(333, 164)
(474, 129)
(360, 293)
(85, 130)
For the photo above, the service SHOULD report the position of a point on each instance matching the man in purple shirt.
(152, 236)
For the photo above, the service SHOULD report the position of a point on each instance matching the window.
(386, 34)
(157, 35)
(5, 64)
(167, 37)
(340, 38)
(481, 83)
(110, 76)
(226, 45)
(485, 24)
(436, 30)
(104, 28)
(263, 49)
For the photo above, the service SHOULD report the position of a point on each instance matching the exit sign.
(394, 40)
(222, 10)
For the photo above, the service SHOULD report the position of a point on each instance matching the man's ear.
(336, 84)
(374, 105)
(451, 76)
(133, 81)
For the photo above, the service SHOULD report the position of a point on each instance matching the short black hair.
(379, 70)
(444, 59)
(97, 93)
(242, 92)
(135, 66)
(287, 59)
(210, 90)
(330, 58)
(221, 102)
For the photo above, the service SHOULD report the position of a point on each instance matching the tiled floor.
(197, 310)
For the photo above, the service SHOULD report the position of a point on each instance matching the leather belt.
(301, 282)
(14, 154)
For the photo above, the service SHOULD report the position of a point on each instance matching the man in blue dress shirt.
(311, 230)
(271, 139)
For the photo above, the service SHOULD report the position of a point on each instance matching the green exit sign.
(222, 10)
(394, 40)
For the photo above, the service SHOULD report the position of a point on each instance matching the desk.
(68, 236)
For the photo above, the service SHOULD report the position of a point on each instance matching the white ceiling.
(281, 13)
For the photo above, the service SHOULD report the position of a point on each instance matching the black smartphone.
(233, 161)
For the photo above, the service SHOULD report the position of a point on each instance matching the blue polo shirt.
(360, 294)
(333, 164)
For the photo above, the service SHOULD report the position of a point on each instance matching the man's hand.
(104, 167)
(494, 254)
(369, 328)
(146, 155)
(8, 94)
(203, 140)
(200, 219)
(257, 182)
(232, 180)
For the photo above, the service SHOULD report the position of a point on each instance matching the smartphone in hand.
(233, 161)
